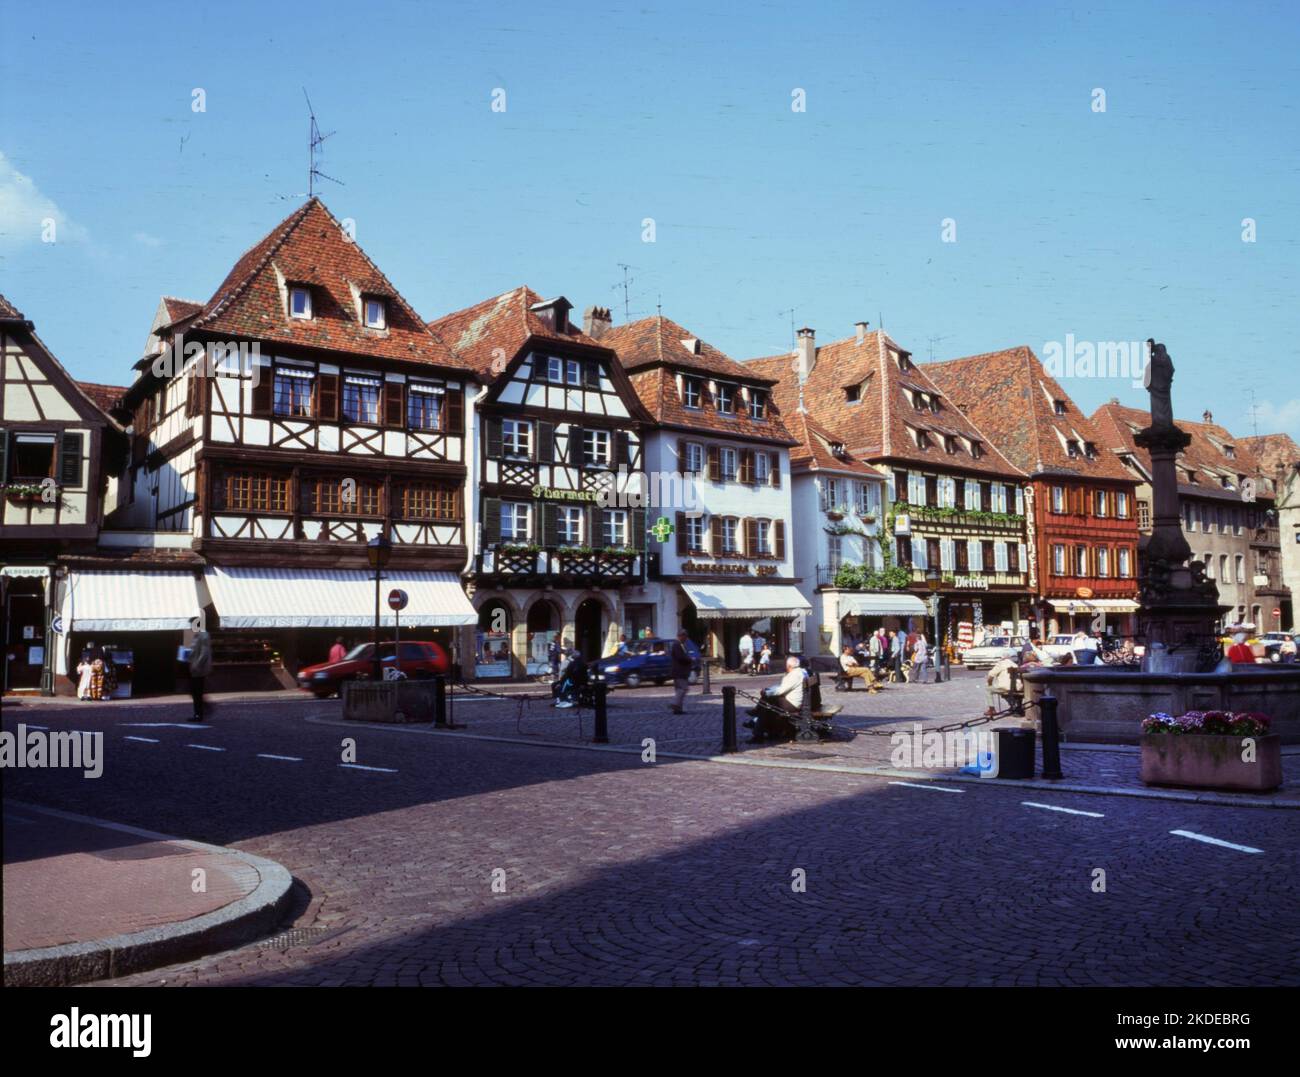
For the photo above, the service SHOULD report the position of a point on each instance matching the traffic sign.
(56, 625)
(397, 599)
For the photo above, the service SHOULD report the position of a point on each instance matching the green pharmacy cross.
(662, 529)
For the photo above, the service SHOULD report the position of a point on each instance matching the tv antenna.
(1254, 412)
(314, 147)
(791, 313)
(627, 314)
(933, 341)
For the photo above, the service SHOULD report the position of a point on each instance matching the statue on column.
(1159, 379)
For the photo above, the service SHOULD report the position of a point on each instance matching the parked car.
(645, 660)
(419, 660)
(1057, 647)
(992, 651)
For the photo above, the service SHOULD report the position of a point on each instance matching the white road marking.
(33, 725)
(205, 747)
(163, 725)
(1215, 841)
(1068, 811)
(286, 758)
(358, 766)
(934, 788)
(145, 740)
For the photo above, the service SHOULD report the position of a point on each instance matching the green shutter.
(638, 529)
(575, 445)
(70, 460)
(491, 520)
(493, 427)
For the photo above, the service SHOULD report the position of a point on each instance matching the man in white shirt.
(746, 653)
(789, 693)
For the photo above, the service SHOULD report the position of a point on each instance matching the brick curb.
(118, 955)
(1220, 799)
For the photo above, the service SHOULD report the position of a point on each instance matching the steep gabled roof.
(653, 350)
(1205, 456)
(1011, 397)
(1277, 453)
(876, 426)
(499, 327)
(310, 247)
(814, 453)
(104, 397)
(10, 313)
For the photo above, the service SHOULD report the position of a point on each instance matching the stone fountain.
(1179, 614)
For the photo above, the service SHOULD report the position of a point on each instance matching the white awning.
(746, 600)
(333, 598)
(881, 605)
(1105, 605)
(153, 601)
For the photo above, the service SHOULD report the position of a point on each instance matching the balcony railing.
(961, 581)
(562, 564)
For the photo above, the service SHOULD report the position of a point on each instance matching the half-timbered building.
(560, 548)
(301, 412)
(718, 470)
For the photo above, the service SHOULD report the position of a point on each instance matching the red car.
(419, 661)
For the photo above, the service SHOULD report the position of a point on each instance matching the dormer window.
(950, 444)
(1072, 447)
(376, 311)
(851, 394)
(1230, 451)
(1090, 450)
(977, 449)
(1058, 406)
(726, 399)
(692, 392)
(757, 404)
(300, 302)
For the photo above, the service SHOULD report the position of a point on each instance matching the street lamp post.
(378, 550)
(933, 579)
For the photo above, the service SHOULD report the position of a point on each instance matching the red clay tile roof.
(8, 312)
(178, 310)
(651, 351)
(1277, 453)
(1117, 424)
(1010, 396)
(310, 247)
(813, 452)
(104, 397)
(876, 426)
(498, 328)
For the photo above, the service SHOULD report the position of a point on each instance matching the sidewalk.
(86, 899)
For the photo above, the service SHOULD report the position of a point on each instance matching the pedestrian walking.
(200, 667)
(896, 654)
(680, 660)
(338, 652)
(920, 659)
(746, 647)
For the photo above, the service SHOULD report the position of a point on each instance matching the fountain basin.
(1106, 704)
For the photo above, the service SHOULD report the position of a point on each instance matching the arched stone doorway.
(544, 626)
(492, 649)
(587, 628)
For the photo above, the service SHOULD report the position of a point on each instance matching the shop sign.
(902, 524)
(971, 583)
(550, 493)
(728, 568)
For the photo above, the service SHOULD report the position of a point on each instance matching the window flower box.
(26, 492)
(1211, 750)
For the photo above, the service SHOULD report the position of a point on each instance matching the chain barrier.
(522, 701)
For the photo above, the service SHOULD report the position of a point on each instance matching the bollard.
(600, 690)
(705, 690)
(440, 700)
(1051, 737)
(451, 695)
(728, 718)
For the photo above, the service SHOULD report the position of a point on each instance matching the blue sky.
(1107, 226)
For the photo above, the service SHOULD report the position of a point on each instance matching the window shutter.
(1020, 554)
(747, 466)
(70, 460)
(778, 539)
(637, 538)
(453, 411)
(1020, 501)
(4, 453)
(682, 545)
(715, 464)
(493, 426)
(545, 443)
(622, 448)
(263, 390)
(974, 555)
(774, 469)
(591, 374)
(751, 537)
(715, 535)
(1000, 556)
(575, 446)
(549, 521)
(394, 404)
(327, 397)
(681, 456)
(947, 554)
(491, 520)
(919, 557)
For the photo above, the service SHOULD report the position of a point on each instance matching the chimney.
(806, 354)
(861, 327)
(1208, 417)
(595, 320)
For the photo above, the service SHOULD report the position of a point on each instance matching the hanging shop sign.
(551, 493)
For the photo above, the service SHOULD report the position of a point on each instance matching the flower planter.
(1211, 761)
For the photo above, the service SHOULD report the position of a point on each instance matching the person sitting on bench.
(568, 688)
(780, 703)
(850, 668)
(999, 682)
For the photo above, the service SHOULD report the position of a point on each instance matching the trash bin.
(1015, 752)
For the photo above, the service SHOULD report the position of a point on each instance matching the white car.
(992, 651)
(1057, 647)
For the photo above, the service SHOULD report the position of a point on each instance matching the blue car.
(645, 660)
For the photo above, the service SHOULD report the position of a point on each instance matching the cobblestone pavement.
(613, 871)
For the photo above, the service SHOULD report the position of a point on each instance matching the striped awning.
(333, 598)
(874, 604)
(751, 601)
(154, 601)
(1104, 605)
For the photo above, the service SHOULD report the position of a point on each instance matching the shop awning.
(154, 601)
(1105, 605)
(333, 598)
(881, 605)
(746, 600)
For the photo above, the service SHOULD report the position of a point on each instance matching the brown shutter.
(70, 460)
(493, 426)
(4, 452)
(491, 520)
(715, 463)
(751, 537)
(264, 390)
(453, 407)
(622, 448)
(747, 466)
(778, 539)
(681, 455)
(394, 404)
(775, 469)
(637, 539)
(545, 443)
(715, 535)
(327, 397)
(576, 458)
(682, 546)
